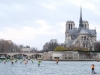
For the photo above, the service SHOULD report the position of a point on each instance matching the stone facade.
(70, 55)
(82, 36)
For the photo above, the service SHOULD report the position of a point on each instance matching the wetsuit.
(92, 68)
(12, 62)
(57, 61)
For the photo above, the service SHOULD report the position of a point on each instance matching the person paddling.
(93, 68)
(32, 60)
(57, 61)
(5, 62)
(12, 61)
(38, 63)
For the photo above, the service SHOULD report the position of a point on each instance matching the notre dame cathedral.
(81, 36)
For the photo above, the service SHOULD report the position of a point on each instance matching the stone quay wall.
(71, 55)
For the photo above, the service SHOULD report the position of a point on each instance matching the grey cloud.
(18, 13)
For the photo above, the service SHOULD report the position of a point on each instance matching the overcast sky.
(35, 22)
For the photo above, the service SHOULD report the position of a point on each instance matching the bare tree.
(2, 45)
(50, 46)
(34, 50)
(6, 46)
(97, 46)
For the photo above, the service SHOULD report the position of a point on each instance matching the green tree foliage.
(80, 49)
(60, 48)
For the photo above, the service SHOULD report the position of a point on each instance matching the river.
(49, 68)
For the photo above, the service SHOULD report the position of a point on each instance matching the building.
(80, 37)
(25, 49)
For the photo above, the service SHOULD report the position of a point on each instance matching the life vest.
(56, 60)
(92, 66)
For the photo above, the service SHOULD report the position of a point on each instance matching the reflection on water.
(49, 68)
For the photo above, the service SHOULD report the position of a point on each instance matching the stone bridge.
(22, 54)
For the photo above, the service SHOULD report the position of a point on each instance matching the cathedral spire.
(80, 22)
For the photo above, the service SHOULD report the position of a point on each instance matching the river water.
(49, 68)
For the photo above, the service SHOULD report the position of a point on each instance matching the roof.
(84, 31)
(93, 32)
(70, 21)
(76, 32)
(73, 31)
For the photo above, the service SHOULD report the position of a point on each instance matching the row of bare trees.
(6, 46)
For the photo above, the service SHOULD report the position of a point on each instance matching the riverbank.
(77, 60)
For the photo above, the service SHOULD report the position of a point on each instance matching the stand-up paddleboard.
(94, 73)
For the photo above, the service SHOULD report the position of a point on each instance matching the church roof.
(70, 21)
(93, 32)
(75, 32)
(84, 31)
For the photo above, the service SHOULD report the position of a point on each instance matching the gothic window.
(84, 37)
(87, 39)
(69, 26)
(83, 44)
(85, 25)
